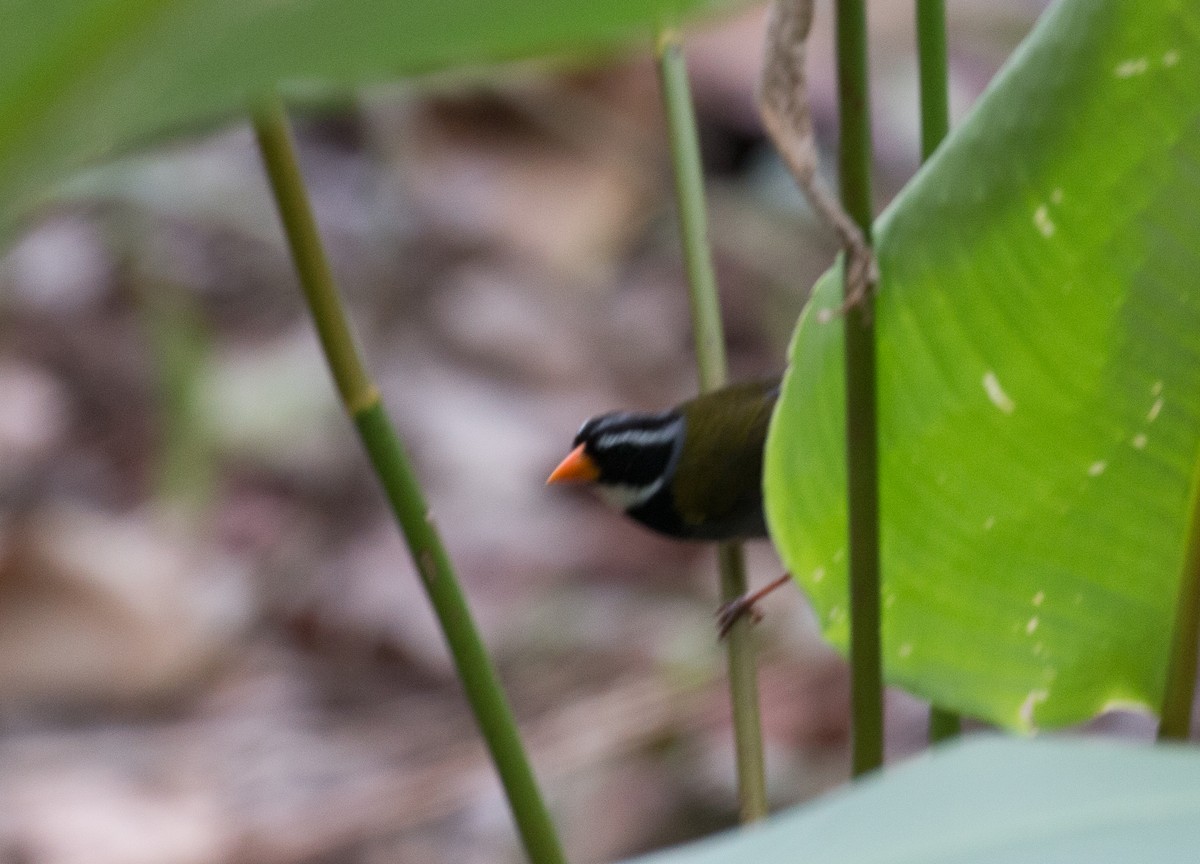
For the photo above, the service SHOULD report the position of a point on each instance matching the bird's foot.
(745, 605)
(733, 611)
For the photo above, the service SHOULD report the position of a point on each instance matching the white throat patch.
(625, 497)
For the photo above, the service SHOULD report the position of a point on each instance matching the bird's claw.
(739, 607)
(736, 609)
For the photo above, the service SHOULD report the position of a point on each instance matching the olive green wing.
(719, 475)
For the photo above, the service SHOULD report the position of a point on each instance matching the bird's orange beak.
(578, 467)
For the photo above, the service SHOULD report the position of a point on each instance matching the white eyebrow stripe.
(640, 437)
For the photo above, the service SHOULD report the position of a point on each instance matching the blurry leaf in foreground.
(989, 801)
(80, 79)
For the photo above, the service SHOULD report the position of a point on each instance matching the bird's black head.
(635, 452)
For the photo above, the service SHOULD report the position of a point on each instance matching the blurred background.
(213, 647)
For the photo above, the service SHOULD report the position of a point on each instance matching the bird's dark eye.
(634, 465)
(632, 449)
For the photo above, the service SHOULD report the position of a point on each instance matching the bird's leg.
(730, 612)
(783, 103)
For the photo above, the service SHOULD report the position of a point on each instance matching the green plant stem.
(935, 124)
(180, 344)
(1180, 687)
(361, 400)
(316, 279)
(931, 53)
(693, 214)
(862, 466)
(711, 365)
(743, 689)
(943, 725)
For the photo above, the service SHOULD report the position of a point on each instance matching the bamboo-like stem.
(711, 365)
(278, 151)
(361, 400)
(944, 725)
(862, 450)
(935, 84)
(180, 343)
(693, 215)
(1180, 688)
(935, 124)
(743, 691)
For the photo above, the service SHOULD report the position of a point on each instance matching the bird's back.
(718, 490)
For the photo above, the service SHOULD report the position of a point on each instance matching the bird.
(692, 472)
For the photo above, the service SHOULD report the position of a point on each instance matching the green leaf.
(1039, 384)
(989, 801)
(81, 78)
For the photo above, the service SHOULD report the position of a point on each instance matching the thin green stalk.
(935, 124)
(354, 385)
(1178, 698)
(693, 215)
(180, 342)
(862, 464)
(711, 363)
(391, 464)
(931, 53)
(944, 725)
(743, 688)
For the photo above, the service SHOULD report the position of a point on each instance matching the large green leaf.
(1039, 383)
(79, 78)
(990, 802)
